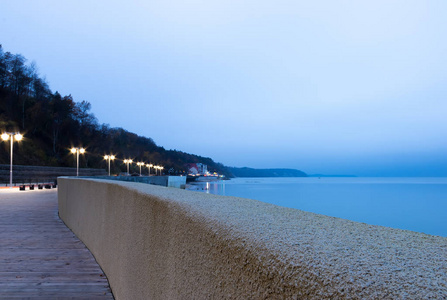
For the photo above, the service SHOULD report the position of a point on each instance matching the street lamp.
(128, 161)
(158, 168)
(77, 151)
(149, 166)
(11, 136)
(109, 158)
(140, 164)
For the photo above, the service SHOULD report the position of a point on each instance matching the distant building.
(197, 169)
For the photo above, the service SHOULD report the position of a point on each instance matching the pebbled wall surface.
(163, 243)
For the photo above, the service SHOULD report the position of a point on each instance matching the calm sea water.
(417, 204)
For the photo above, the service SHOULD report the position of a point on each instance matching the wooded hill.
(249, 172)
(52, 123)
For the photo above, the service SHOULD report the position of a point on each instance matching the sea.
(416, 204)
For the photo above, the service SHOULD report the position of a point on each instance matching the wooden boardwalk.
(40, 258)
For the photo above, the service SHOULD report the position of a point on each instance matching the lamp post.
(77, 151)
(109, 158)
(11, 136)
(149, 166)
(140, 164)
(158, 168)
(128, 161)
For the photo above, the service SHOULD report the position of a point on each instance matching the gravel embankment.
(320, 256)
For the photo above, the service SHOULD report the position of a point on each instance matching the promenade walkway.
(40, 258)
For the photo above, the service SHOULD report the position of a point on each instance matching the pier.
(40, 258)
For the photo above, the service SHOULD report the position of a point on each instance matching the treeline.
(249, 172)
(52, 124)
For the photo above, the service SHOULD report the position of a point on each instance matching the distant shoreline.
(251, 172)
(322, 175)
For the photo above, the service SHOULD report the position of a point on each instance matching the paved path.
(40, 258)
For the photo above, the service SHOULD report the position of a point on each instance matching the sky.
(326, 87)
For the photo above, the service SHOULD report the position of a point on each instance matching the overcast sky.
(332, 87)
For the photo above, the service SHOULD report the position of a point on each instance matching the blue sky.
(333, 87)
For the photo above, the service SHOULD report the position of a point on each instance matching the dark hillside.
(52, 124)
(249, 172)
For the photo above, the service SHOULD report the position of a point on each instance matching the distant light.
(106, 157)
(18, 137)
(112, 157)
(74, 150)
(5, 136)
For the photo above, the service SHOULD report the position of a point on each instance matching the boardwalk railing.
(164, 243)
(27, 175)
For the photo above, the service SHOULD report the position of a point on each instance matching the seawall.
(168, 181)
(163, 243)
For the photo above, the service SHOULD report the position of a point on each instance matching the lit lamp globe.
(74, 150)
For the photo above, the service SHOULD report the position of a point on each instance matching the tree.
(3, 69)
(82, 115)
(62, 110)
(18, 79)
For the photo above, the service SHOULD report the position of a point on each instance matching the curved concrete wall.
(163, 243)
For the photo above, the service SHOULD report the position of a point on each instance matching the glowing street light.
(109, 158)
(158, 168)
(77, 151)
(11, 136)
(140, 164)
(128, 161)
(149, 166)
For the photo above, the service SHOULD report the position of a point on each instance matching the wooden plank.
(40, 258)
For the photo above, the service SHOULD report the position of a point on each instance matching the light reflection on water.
(418, 204)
